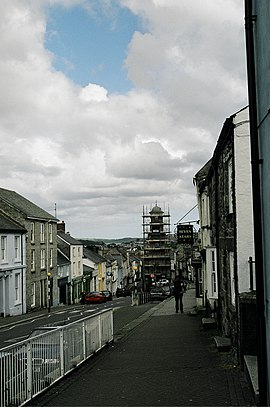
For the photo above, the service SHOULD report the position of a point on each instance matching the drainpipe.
(257, 211)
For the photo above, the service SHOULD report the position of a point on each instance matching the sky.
(111, 106)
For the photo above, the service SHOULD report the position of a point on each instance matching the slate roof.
(87, 270)
(69, 239)
(8, 225)
(24, 205)
(62, 259)
(91, 255)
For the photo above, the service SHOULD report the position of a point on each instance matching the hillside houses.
(42, 265)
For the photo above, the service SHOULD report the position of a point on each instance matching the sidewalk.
(160, 359)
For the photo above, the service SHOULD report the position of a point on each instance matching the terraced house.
(40, 248)
(12, 267)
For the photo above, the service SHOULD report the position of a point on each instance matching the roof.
(62, 259)
(69, 239)
(201, 176)
(87, 270)
(23, 205)
(91, 255)
(156, 209)
(8, 225)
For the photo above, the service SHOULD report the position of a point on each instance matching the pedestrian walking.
(178, 294)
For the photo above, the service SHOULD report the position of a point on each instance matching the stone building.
(226, 222)
(41, 247)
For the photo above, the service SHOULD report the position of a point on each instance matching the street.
(160, 358)
(23, 326)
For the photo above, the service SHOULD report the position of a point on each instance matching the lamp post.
(49, 291)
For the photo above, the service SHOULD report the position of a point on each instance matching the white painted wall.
(243, 194)
(76, 259)
(12, 277)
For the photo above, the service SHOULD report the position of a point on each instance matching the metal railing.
(29, 367)
(140, 298)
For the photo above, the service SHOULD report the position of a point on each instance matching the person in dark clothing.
(82, 300)
(178, 294)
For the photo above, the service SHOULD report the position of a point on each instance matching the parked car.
(163, 281)
(13, 373)
(107, 294)
(123, 292)
(167, 290)
(158, 294)
(95, 297)
(45, 353)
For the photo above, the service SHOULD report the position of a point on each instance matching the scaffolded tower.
(157, 249)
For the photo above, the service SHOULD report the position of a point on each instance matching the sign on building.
(185, 234)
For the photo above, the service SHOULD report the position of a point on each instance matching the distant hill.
(123, 240)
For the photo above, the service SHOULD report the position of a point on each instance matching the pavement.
(160, 358)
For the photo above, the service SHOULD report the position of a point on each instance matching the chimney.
(61, 227)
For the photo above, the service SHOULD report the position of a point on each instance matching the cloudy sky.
(111, 105)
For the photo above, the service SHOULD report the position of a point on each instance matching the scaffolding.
(156, 244)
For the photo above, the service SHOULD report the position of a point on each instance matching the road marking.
(16, 339)
(75, 311)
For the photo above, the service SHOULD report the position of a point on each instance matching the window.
(213, 260)
(42, 233)
(33, 294)
(50, 232)
(42, 259)
(17, 287)
(3, 248)
(73, 251)
(230, 191)
(213, 277)
(17, 247)
(51, 257)
(33, 260)
(214, 283)
(32, 232)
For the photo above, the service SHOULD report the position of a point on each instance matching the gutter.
(257, 211)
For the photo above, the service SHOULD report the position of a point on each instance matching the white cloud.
(102, 156)
(93, 92)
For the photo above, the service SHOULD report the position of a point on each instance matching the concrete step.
(223, 344)
(208, 323)
(251, 370)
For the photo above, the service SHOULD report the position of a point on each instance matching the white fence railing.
(29, 367)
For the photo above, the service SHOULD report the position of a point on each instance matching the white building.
(12, 268)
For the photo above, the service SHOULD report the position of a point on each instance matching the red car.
(94, 298)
